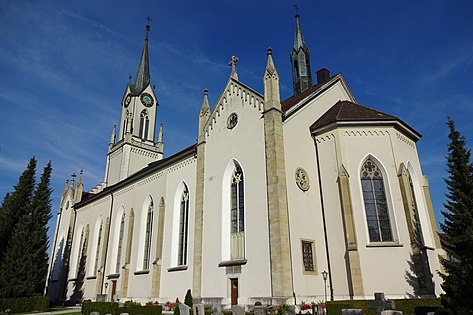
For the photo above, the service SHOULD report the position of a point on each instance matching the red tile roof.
(349, 111)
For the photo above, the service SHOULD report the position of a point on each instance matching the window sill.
(141, 272)
(178, 268)
(91, 277)
(236, 262)
(113, 276)
(384, 244)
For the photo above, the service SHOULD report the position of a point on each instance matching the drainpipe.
(324, 221)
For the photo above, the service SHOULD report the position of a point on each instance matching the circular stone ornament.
(232, 121)
(302, 179)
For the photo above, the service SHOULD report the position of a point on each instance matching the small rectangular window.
(308, 256)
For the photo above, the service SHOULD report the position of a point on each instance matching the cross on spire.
(148, 18)
(232, 63)
(297, 9)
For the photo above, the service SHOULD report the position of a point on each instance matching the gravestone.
(352, 311)
(391, 312)
(198, 309)
(237, 310)
(184, 309)
(216, 309)
(380, 303)
(260, 310)
(94, 313)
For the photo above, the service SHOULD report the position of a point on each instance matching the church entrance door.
(114, 289)
(234, 291)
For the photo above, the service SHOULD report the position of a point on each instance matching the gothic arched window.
(148, 233)
(183, 227)
(120, 243)
(79, 251)
(374, 196)
(296, 69)
(237, 214)
(144, 125)
(97, 251)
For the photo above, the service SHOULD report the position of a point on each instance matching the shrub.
(101, 307)
(131, 303)
(142, 310)
(188, 298)
(25, 304)
(257, 303)
(176, 308)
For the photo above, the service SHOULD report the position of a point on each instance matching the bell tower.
(136, 146)
(300, 61)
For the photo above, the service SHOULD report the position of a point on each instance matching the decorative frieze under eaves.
(124, 190)
(182, 164)
(245, 93)
(150, 179)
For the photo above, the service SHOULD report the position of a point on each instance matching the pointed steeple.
(142, 78)
(300, 60)
(298, 39)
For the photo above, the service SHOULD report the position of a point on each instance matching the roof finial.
(296, 7)
(148, 19)
(232, 63)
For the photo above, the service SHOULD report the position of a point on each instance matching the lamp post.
(324, 275)
(106, 286)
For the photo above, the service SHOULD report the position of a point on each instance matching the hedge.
(25, 304)
(406, 306)
(101, 307)
(112, 308)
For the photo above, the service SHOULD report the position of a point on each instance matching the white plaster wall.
(244, 144)
(388, 263)
(91, 215)
(305, 210)
(175, 284)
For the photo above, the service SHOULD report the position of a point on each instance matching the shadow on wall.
(419, 276)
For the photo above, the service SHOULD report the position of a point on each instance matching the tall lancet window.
(148, 233)
(374, 196)
(79, 252)
(97, 250)
(237, 214)
(144, 125)
(296, 69)
(120, 243)
(125, 122)
(183, 228)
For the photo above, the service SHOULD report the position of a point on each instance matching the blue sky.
(65, 64)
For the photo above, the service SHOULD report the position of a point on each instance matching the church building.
(278, 201)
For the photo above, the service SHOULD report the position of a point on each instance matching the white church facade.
(274, 195)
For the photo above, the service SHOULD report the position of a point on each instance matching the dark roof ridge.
(366, 107)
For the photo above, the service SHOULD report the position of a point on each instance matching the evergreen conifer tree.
(16, 205)
(40, 215)
(458, 228)
(24, 267)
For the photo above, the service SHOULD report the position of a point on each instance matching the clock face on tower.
(127, 100)
(147, 100)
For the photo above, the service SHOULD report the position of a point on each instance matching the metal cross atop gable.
(148, 18)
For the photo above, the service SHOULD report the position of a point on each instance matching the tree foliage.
(457, 239)
(16, 205)
(23, 266)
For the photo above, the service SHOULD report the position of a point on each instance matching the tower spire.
(142, 78)
(300, 59)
